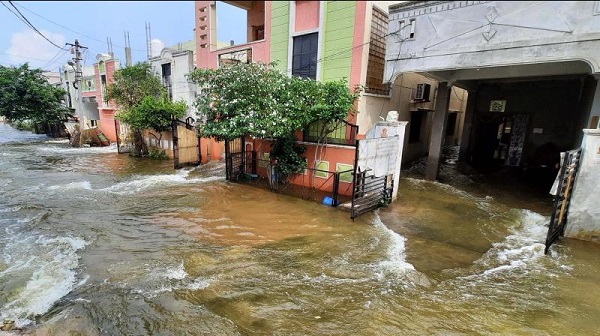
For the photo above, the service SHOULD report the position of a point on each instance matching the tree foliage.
(153, 113)
(132, 84)
(143, 103)
(259, 101)
(25, 94)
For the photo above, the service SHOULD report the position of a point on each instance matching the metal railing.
(343, 134)
(312, 183)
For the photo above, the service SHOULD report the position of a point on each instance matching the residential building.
(52, 77)
(172, 66)
(88, 93)
(98, 111)
(104, 71)
(331, 40)
(531, 70)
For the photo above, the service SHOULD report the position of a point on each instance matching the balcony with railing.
(342, 133)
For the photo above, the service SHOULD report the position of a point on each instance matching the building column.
(594, 117)
(440, 116)
(584, 209)
(467, 126)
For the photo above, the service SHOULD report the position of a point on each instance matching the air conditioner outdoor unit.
(422, 92)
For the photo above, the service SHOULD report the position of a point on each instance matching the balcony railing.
(343, 133)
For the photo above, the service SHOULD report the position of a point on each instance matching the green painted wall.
(338, 33)
(280, 16)
(337, 39)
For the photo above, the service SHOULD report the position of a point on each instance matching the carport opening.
(518, 129)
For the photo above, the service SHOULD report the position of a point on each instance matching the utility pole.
(75, 49)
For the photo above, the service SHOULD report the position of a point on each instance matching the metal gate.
(370, 192)
(234, 158)
(186, 144)
(567, 175)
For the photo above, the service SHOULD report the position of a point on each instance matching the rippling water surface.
(96, 243)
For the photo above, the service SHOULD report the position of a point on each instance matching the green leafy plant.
(143, 103)
(287, 156)
(157, 154)
(259, 101)
(25, 94)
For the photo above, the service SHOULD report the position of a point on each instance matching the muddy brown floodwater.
(97, 243)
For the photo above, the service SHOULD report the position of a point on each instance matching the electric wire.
(339, 53)
(25, 57)
(27, 23)
(71, 30)
(56, 58)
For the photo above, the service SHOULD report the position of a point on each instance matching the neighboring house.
(172, 66)
(531, 70)
(52, 77)
(327, 40)
(331, 40)
(88, 93)
(187, 45)
(104, 71)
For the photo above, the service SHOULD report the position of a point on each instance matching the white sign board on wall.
(379, 155)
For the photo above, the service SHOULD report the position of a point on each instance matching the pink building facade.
(104, 71)
(281, 31)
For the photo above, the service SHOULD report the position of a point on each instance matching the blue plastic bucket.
(328, 201)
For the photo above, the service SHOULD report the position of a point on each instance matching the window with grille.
(304, 58)
(376, 64)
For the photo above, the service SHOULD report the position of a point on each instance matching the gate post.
(584, 212)
(336, 186)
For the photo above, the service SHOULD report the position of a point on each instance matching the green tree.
(142, 105)
(153, 114)
(260, 101)
(25, 94)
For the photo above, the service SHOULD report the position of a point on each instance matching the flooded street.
(97, 243)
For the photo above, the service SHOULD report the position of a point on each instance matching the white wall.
(584, 212)
(478, 34)
(182, 63)
(372, 107)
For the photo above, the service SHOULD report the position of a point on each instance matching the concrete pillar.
(595, 108)
(401, 132)
(584, 210)
(588, 111)
(438, 128)
(467, 126)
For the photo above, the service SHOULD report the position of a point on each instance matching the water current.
(97, 243)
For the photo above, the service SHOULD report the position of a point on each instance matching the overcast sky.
(92, 22)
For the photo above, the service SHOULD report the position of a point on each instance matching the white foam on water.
(52, 263)
(520, 251)
(140, 183)
(395, 261)
(178, 272)
(81, 150)
(170, 279)
(83, 185)
(57, 141)
(198, 284)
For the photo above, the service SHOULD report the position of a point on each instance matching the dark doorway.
(501, 140)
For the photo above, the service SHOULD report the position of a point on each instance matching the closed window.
(304, 56)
